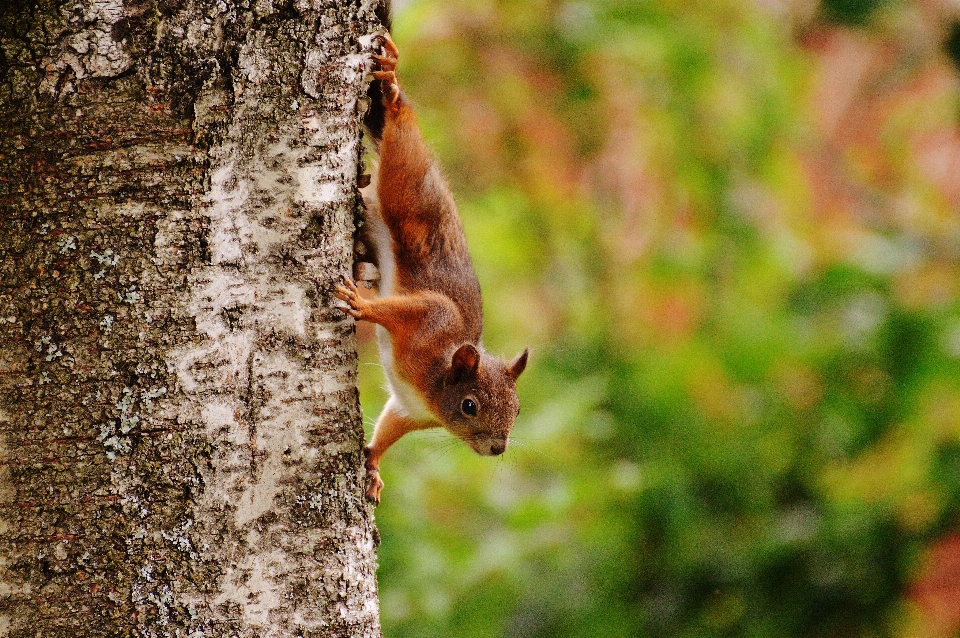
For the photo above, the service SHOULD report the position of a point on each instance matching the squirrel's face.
(479, 400)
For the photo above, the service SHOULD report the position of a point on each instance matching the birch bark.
(180, 432)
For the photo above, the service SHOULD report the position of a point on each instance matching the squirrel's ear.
(519, 364)
(465, 362)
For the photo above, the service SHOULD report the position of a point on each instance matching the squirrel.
(428, 312)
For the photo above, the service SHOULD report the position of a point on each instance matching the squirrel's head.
(479, 400)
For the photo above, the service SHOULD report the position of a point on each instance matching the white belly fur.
(406, 397)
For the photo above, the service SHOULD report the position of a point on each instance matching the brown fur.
(434, 315)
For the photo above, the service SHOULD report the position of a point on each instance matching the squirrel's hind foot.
(389, 49)
(386, 71)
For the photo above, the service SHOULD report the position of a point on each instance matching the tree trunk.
(180, 432)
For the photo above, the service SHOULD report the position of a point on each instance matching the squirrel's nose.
(497, 448)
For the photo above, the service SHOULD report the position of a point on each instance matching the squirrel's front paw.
(374, 485)
(349, 293)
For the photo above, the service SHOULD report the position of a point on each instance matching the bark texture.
(180, 434)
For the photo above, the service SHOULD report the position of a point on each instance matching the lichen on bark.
(180, 436)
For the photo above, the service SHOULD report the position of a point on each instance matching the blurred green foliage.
(741, 414)
(852, 12)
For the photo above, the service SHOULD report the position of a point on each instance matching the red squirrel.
(428, 312)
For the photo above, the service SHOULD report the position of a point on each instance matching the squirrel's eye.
(469, 407)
